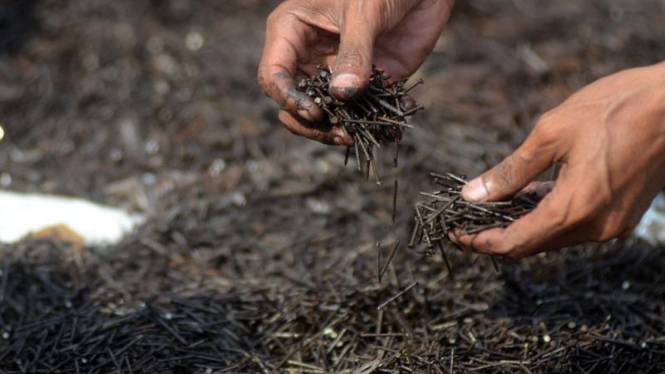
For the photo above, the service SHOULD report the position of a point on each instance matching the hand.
(349, 35)
(610, 139)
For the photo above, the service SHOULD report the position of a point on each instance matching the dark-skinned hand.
(350, 36)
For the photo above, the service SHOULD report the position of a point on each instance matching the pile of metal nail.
(589, 312)
(46, 326)
(447, 211)
(376, 117)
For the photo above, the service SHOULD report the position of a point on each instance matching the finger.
(537, 191)
(353, 67)
(488, 242)
(326, 134)
(285, 39)
(554, 223)
(531, 159)
(455, 236)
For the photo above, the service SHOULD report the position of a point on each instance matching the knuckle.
(318, 136)
(322, 137)
(549, 128)
(546, 131)
(282, 16)
(272, 18)
(262, 80)
(547, 118)
(276, 14)
(352, 58)
(502, 174)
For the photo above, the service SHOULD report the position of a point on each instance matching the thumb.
(352, 70)
(513, 173)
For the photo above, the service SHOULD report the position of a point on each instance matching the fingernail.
(475, 190)
(345, 80)
(345, 86)
(337, 140)
(407, 103)
(304, 114)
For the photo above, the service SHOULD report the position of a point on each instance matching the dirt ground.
(153, 105)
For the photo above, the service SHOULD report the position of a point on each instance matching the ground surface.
(153, 105)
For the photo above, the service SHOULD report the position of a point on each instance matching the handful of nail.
(375, 117)
(448, 211)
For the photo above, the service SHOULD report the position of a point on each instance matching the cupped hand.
(349, 35)
(610, 139)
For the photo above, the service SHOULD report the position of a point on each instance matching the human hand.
(610, 139)
(349, 35)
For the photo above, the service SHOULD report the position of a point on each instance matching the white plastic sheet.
(22, 214)
(652, 225)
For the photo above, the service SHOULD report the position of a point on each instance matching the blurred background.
(153, 106)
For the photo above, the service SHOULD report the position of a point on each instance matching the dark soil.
(105, 100)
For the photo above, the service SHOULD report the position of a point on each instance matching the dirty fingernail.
(345, 85)
(475, 190)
